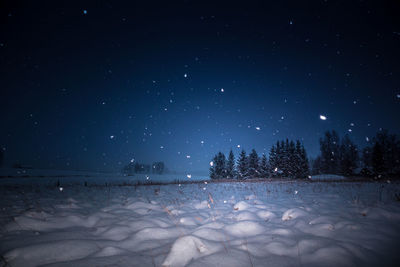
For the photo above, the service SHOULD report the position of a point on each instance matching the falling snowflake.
(185, 75)
(258, 128)
(238, 146)
(352, 124)
(350, 130)
(211, 163)
(367, 138)
(84, 11)
(147, 177)
(398, 95)
(61, 189)
(161, 147)
(322, 117)
(132, 160)
(189, 176)
(276, 169)
(290, 22)
(112, 136)
(222, 90)
(202, 142)
(188, 156)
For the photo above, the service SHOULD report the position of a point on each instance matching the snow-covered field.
(207, 224)
(65, 177)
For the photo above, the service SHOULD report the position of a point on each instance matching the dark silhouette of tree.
(263, 167)
(218, 170)
(288, 159)
(349, 158)
(284, 158)
(230, 166)
(378, 161)
(330, 149)
(212, 168)
(305, 169)
(129, 169)
(252, 169)
(366, 159)
(273, 160)
(158, 167)
(242, 165)
(292, 164)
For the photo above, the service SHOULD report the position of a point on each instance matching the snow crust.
(228, 224)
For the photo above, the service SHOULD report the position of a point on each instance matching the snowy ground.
(224, 224)
(10, 176)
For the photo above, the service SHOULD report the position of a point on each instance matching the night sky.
(93, 85)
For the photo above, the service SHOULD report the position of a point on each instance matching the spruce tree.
(330, 146)
(230, 166)
(305, 167)
(292, 164)
(213, 174)
(220, 169)
(284, 158)
(242, 165)
(298, 160)
(253, 164)
(348, 156)
(378, 162)
(273, 161)
(263, 167)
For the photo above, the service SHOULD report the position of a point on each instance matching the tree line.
(286, 159)
(342, 157)
(156, 168)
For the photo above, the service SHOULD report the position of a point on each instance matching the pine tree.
(213, 174)
(330, 146)
(292, 163)
(305, 167)
(298, 160)
(378, 162)
(284, 158)
(230, 166)
(220, 165)
(218, 170)
(263, 167)
(273, 161)
(253, 164)
(242, 165)
(348, 156)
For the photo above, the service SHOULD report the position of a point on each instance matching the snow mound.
(293, 214)
(187, 248)
(244, 228)
(241, 206)
(328, 224)
(40, 254)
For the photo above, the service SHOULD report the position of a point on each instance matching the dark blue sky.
(92, 85)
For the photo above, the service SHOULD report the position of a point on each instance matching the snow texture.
(228, 224)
